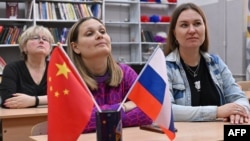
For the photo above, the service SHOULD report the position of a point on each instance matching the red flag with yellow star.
(69, 100)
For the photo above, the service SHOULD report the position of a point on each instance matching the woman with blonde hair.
(24, 82)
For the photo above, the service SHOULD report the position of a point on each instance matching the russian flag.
(150, 93)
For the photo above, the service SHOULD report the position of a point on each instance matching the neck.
(36, 64)
(97, 68)
(190, 59)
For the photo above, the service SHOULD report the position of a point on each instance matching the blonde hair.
(32, 31)
(114, 70)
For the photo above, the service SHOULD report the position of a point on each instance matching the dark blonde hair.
(114, 69)
(30, 32)
(172, 43)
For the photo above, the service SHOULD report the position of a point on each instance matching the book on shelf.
(2, 65)
(64, 34)
(96, 10)
(28, 10)
(77, 11)
(84, 10)
(63, 16)
(10, 34)
(15, 35)
(143, 38)
(11, 10)
(147, 36)
(57, 10)
(4, 35)
(71, 11)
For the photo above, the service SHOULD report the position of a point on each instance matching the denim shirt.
(224, 82)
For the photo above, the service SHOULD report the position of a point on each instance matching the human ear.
(74, 47)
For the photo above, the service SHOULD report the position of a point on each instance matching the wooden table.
(17, 123)
(187, 131)
(247, 94)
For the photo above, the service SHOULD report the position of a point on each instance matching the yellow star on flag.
(62, 69)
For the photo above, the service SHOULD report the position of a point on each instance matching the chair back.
(40, 129)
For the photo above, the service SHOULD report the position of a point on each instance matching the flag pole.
(97, 106)
(125, 98)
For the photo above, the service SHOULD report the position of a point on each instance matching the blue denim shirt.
(226, 85)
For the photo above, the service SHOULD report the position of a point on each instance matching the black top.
(203, 90)
(17, 79)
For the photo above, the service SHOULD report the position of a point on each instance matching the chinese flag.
(69, 100)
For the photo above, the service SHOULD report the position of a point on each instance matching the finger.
(237, 119)
(246, 119)
(232, 119)
(241, 121)
(240, 111)
(226, 119)
(10, 99)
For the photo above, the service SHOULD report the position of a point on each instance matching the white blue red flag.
(151, 94)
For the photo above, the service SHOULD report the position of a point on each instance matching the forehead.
(189, 15)
(91, 23)
(37, 32)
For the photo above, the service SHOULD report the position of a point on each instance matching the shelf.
(8, 45)
(122, 19)
(29, 14)
(123, 23)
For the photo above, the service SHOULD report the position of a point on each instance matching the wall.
(227, 23)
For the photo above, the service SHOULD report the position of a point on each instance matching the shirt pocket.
(178, 90)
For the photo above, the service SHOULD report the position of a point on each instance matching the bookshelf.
(128, 29)
(57, 15)
(123, 19)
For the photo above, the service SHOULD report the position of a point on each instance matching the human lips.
(40, 46)
(192, 38)
(101, 44)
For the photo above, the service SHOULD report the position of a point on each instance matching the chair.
(40, 129)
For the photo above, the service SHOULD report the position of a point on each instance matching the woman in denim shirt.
(202, 86)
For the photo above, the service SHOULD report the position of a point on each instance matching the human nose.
(191, 29)
(99, 35)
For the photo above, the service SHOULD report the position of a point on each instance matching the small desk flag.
(69, 100)
(150, 93)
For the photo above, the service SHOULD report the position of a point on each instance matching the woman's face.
(93, 40)
(38, 45)
(190, 29)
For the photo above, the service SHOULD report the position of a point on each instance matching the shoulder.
(125, 67)
(212, 58)
(13, 68)
(15, 65)
(127, 70)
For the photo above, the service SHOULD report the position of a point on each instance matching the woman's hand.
(233, 112)
(130, 105)
(20, 100)
(238, 119)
